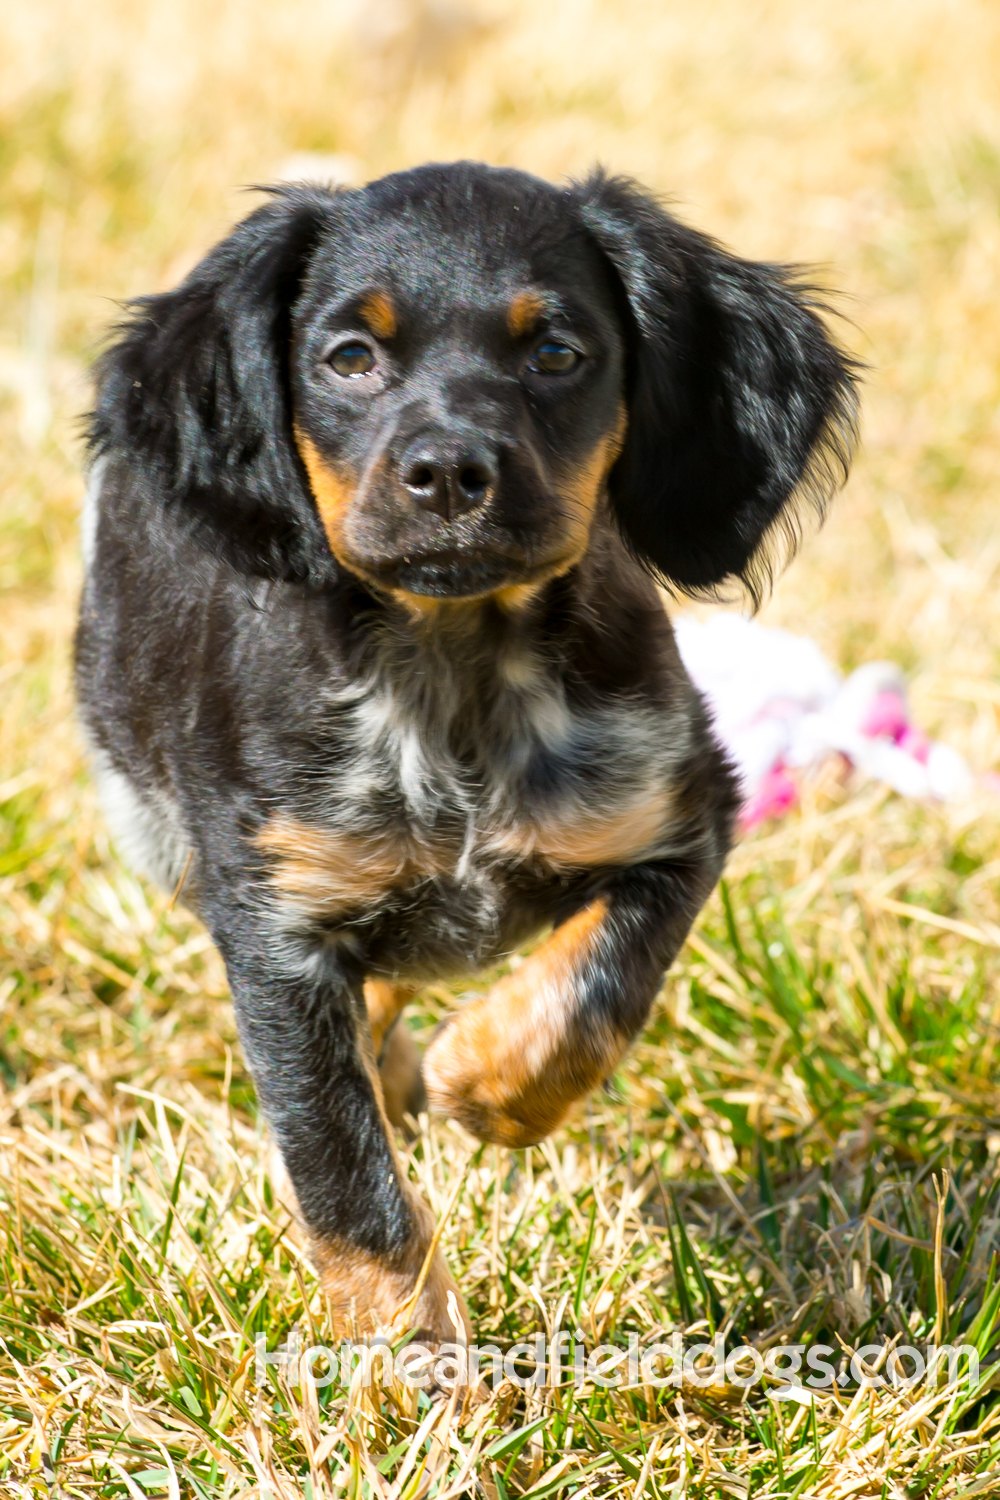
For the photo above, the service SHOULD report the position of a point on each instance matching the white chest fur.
(440, 779)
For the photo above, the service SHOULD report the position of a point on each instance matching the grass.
(805, 1144)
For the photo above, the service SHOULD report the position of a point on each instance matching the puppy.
(371, 653)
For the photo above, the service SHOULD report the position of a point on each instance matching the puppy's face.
(426, 378)
(457, 386)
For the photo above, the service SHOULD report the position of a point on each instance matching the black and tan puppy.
(370, 644)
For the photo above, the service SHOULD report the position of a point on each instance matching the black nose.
(448, 477)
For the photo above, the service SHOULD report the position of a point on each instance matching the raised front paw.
(470, 1076)
(510, 1066)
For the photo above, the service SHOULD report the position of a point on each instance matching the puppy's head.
(440, 381)
(457, 373)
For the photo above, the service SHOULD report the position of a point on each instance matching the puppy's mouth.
(507, 549)
(451, 574)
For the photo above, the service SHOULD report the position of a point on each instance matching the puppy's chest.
(519, 787)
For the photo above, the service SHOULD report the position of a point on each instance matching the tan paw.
(368, 1294)
(510, 1066)
(468, 1082)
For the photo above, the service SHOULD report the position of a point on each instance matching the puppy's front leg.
(301, 1014)
(509, 1066)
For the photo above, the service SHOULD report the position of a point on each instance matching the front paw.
(369, 1294)
(511, 1065)
(489, 1089)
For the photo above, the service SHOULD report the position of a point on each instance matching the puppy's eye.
(554, 358)
(353, 359)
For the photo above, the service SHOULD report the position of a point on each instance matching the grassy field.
(805, 1145)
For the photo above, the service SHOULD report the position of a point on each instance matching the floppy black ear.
(194, 392)
(741, 407)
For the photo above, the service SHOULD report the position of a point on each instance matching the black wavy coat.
(371, 654)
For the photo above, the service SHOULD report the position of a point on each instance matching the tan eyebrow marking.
(379, 313)
(523, 313)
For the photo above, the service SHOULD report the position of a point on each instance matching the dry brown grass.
(826, 1064)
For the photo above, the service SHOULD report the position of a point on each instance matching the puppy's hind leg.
(396, 1052)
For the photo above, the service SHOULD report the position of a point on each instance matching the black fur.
(740, 403)
(196, 386)
(453, 688)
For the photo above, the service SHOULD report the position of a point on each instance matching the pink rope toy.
(780, 709)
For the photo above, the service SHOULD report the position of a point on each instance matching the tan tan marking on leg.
(384, 1000)
(326, 873)
(576, 839)
(365, 1291)
(510, 1065)
(379, 313)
